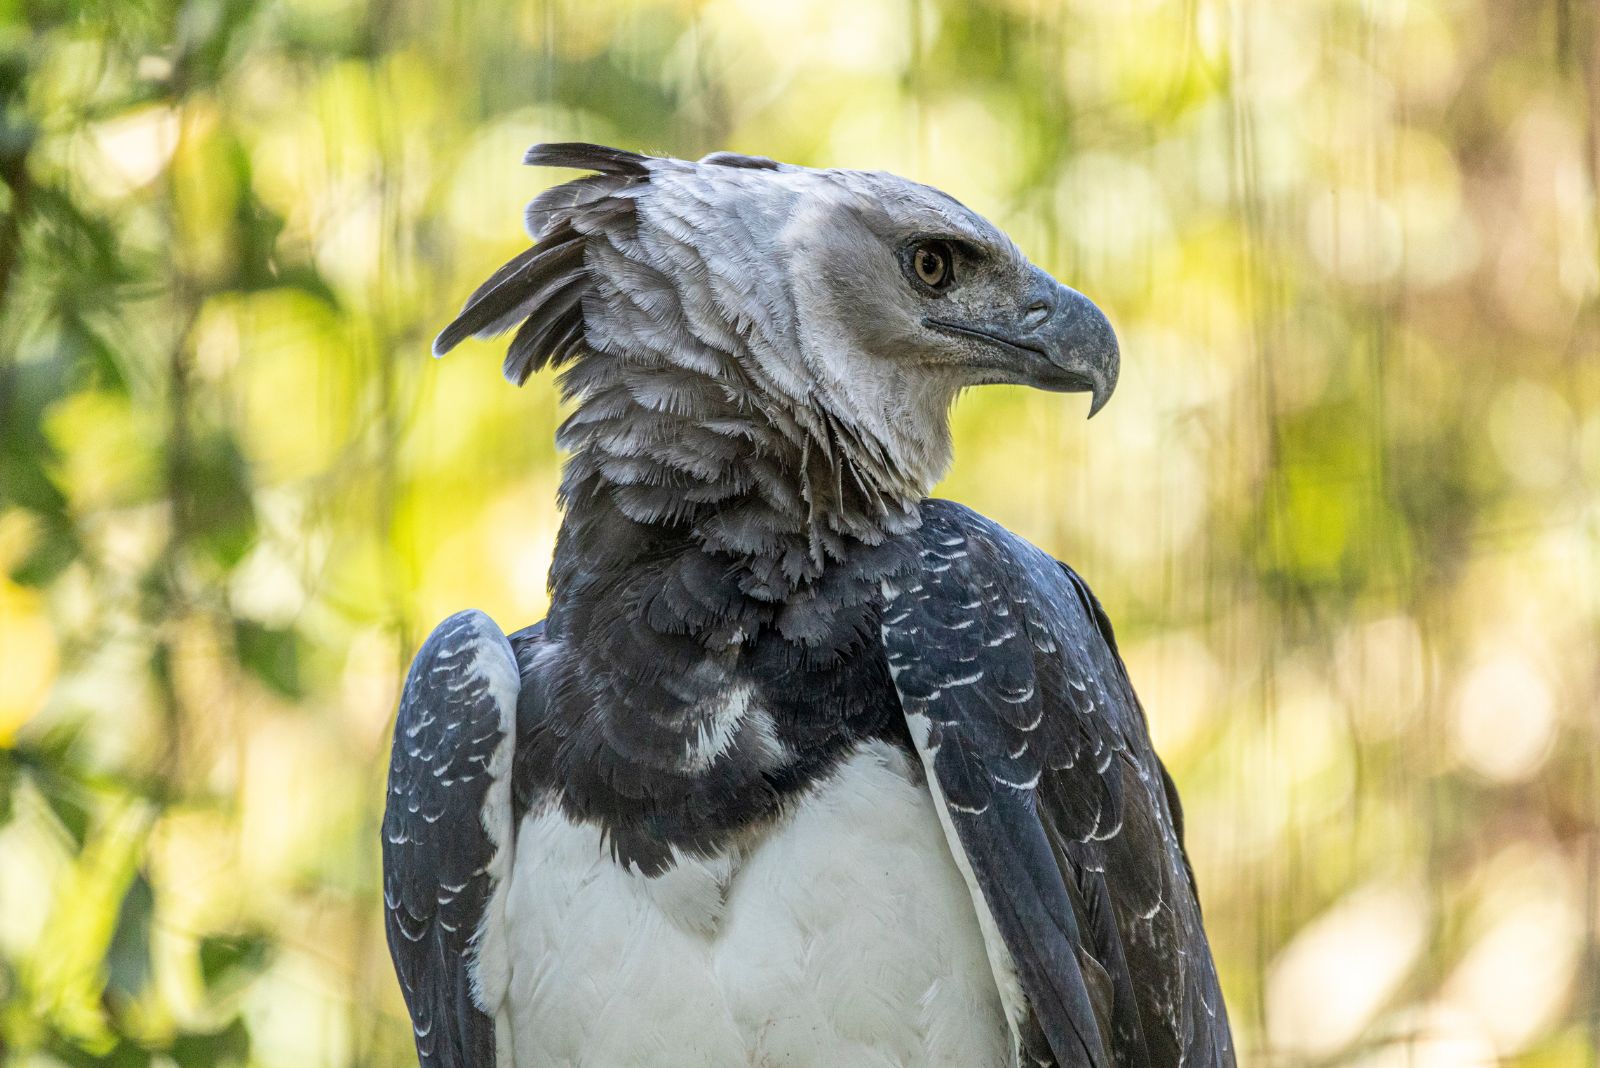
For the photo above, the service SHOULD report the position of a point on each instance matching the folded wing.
(1037, 748)
(447, 839)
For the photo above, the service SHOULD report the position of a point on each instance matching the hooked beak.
(1062, 342)
(1077, 338)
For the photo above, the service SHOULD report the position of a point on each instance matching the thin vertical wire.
(1585, 67)
(915, 87)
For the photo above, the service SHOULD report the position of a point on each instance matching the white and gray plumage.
(803, 768)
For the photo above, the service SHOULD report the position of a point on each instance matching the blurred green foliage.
(1344, 507)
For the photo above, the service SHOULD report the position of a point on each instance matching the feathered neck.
(774, 490)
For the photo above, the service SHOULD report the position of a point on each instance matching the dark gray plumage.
(436, 855)
(1008, 671)
(757, 621)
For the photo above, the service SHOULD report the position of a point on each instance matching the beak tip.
(1105, 380)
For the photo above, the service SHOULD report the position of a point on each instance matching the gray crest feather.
(543, 288)
(582, 156)
(734, 159)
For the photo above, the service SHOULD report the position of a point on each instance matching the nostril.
(1037, 312)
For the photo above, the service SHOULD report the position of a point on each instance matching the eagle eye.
(932, 264)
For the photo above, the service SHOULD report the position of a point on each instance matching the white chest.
(843, 936)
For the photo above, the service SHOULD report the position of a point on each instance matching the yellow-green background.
(1343, 507)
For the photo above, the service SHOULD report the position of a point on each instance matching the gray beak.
(1077, 340)
(1060, 341)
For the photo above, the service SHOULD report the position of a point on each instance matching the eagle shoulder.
(447, 838)
(1038, 752)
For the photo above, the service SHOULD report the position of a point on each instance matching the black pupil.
(930, 265)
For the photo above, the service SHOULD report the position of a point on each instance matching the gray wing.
(447, 835)
(1019, 704)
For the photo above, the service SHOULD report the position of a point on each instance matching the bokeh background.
(1343, 507)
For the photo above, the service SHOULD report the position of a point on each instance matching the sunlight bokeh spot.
(1438, 1035)
(1532, 429)
(28, 658)
(1338, 972)
(1381, 668)
(1505, 717)
(134, 149)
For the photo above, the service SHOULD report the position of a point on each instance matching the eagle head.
(843, 307)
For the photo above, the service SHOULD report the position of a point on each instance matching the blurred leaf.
(51, 764)
(124, 1053)
(128, 956)
(68, 805)
(229, 962)
(51, 553)
(214, 484)
(26, 391)
(271, 654)
(205, 34)
(83, 250)
(218, 1049)
(8, 783)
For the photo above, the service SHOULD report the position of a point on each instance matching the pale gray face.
(904, 297)
(909, 276)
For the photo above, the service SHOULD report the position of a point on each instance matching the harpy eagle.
(803, 768)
